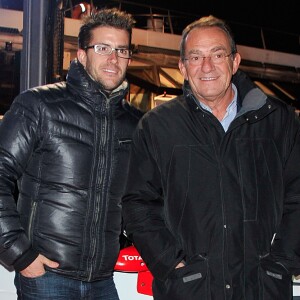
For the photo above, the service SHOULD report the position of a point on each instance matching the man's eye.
(123, 51)
(194, 58)
(102, 48)
(219, 55)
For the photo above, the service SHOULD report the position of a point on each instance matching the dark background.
(268, 24)
(281, 15)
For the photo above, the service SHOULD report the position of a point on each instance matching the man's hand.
(36, 268)
(180, 265)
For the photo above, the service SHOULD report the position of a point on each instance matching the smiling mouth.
(110, 71)
(207, 78)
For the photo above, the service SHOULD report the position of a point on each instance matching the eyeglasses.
(215, 58)
(107, 50)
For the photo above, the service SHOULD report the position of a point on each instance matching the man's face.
(108, 70)
(209, 78)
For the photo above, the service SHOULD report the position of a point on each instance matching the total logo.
(132, 257)
(129, 260)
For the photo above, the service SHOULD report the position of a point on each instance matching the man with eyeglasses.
(67, 144)
(212, 201)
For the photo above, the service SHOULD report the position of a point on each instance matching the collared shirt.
(231, 110)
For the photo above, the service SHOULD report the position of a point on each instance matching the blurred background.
(267, 33)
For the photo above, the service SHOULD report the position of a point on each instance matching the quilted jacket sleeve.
(18, 133)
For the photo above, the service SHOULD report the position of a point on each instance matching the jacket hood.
(250, 97)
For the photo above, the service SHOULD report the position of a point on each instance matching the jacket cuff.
(25, 260)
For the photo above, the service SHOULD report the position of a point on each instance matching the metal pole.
(34, 52)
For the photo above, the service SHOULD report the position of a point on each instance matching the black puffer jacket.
(67, 144)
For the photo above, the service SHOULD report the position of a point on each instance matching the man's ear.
(236, 62)
(182, 69)
(81, 56)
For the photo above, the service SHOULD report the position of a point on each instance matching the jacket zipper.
(30, 231)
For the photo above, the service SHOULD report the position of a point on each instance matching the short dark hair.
(111, 17)
(208, 21)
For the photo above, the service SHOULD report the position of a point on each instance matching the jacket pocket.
(276, 282)
(189, 282)
(124, 143)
